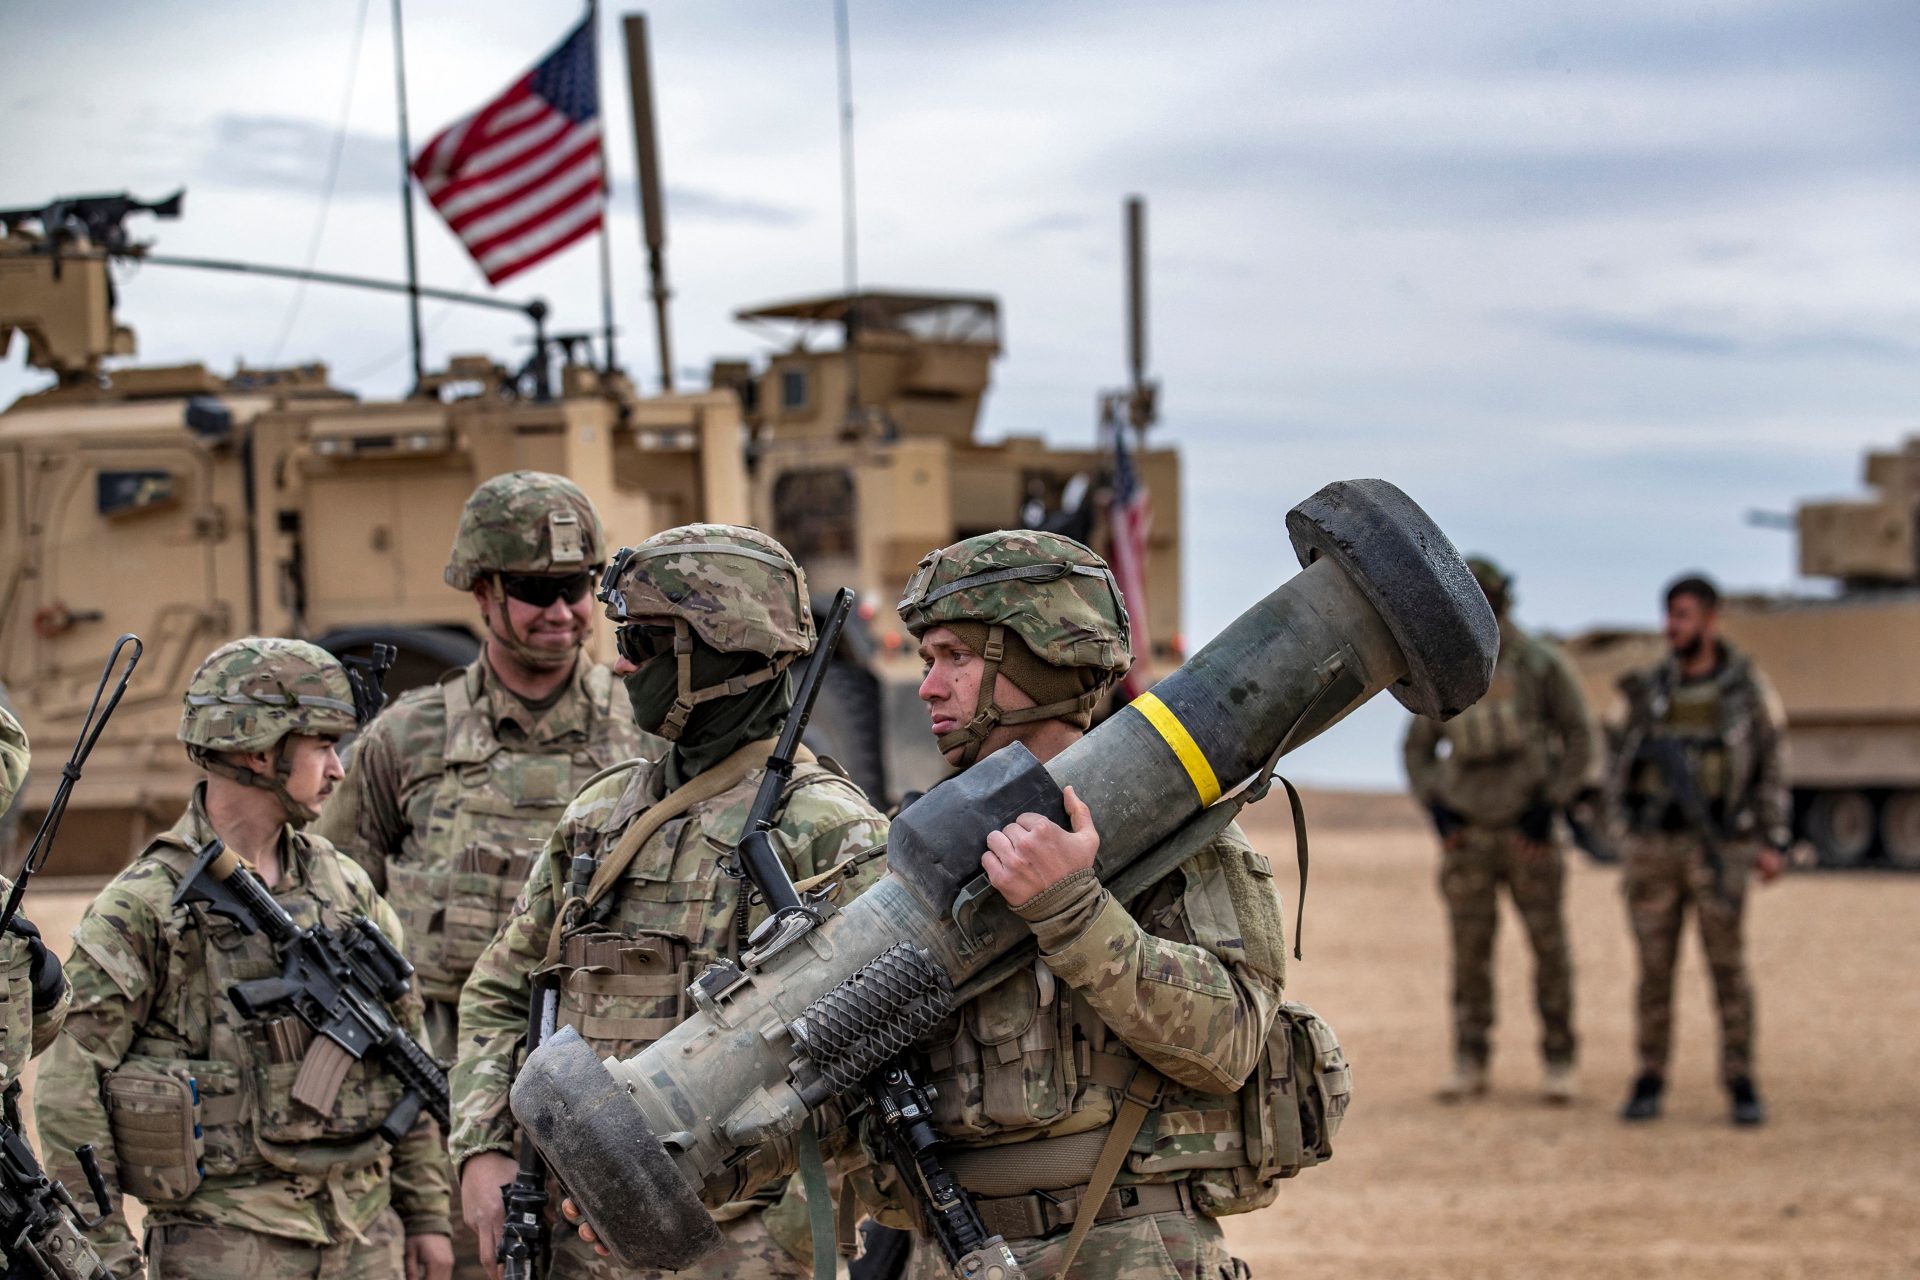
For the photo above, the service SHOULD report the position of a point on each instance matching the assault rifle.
(339, 982)
(905, 1112)
(788, 915)
(42, 1230)
(1669, 756)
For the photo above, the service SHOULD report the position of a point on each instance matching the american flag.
(1129, 518)
(522, 178)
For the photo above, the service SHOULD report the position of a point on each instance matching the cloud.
(696, 204)
(282, 153)
(1725, 338)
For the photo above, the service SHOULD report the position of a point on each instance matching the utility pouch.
(1025, 1078)
(485, 880)
(622, 993)
(157, 1141)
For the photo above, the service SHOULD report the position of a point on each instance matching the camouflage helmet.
(1055, 595)
(250, 694)
(1494, 581)
(733, 587)
(525, 522)
(1052, 592)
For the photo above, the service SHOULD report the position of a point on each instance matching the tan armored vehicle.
(1846, 667)
(192, 507)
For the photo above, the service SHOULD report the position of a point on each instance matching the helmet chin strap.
(686, 697)
(987, 713)
(297, 814)
(536, 659)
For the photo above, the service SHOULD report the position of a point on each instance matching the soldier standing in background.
(709, 617)
(1510, 761)
(35, 991)
(190, 1104)
(456, 786)
(1700, 786)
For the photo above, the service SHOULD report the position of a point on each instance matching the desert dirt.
(1509, 1187)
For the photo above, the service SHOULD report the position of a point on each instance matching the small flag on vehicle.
(1129, 520)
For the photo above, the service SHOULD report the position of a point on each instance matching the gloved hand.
(1536, 822)
(43, 967)
(1445, 821)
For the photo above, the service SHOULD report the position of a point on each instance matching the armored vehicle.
(192, 507)
(1844, 664)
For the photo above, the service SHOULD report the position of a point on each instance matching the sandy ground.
(1511, 1188)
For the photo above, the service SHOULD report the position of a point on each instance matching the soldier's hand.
(429, 1258)
(571, 1212)
(1768, 864)
(481, 1178)
(1032, 853)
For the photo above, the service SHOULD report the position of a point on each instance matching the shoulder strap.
(1143, 1095)
(708, 785)
(456, 687)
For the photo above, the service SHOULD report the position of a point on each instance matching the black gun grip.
(399, 1122)
(96, 1183)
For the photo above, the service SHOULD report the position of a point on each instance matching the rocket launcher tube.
(1384, 601)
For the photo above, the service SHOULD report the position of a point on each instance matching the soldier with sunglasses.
(455, 787)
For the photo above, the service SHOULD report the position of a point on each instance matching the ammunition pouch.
(623, 992)
(999, 1064)
(480, 892)
(153, 1111)
(286, 1113)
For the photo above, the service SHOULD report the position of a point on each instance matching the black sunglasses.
(641, 642)
(541, 589)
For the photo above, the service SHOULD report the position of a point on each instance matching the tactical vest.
(1031, 1055)
(1503, 724)
(624, 970)
(204, 1092)
(493, 807)
(1695, 713)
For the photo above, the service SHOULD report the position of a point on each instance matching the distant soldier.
(190, 1104)
(1492, 777)
(708, 617)
(13, 772)
(36, 992)
(1700, 786)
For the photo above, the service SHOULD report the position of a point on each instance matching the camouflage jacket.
(150, 1003)
(13, 768)
(27, 1033)
(1531, 740)
(1189, 981)
(624, 970)
(1730, 727)
(454, 789)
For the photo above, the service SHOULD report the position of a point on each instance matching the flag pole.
(406, 195)
(606, 212)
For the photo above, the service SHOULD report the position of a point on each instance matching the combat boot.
(1748, 1110)
(1644, 1104)
(1469, 1080)
(1557, 1085)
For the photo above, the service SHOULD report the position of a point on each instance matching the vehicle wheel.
(1841, 826)
(846, 726)
(1900, 829)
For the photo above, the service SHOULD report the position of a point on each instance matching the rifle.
(42, 1230)
(754, 857)
(339, 982)
(905, 1112)
(1670, 757)
(90, 729)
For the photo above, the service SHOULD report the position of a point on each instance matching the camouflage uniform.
(452, 791)
(1512, 759)
(188, 1103)
(1188, 981)
(623, 966)
(1729, 727)
(25, 1031)
(13, 771)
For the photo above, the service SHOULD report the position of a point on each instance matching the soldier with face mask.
(1098, 1090)
(191, 1104)
(1493, 777)
(630, 898)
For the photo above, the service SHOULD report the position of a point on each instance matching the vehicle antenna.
(850, 234)
(406, 194)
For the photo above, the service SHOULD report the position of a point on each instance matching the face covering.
(717, 728)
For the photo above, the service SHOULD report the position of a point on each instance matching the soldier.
(37, 995)
(189, 1104)
(709, 618)
(13, 772)
(1699, 783)
(1160, 1012)
(1511, 760)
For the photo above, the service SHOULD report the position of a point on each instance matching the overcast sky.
(1589, 281)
